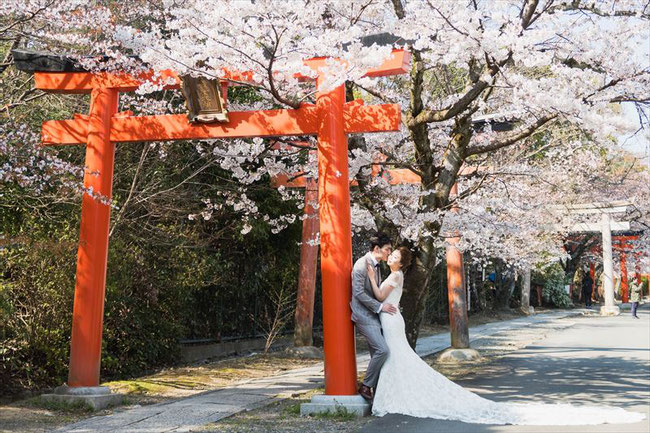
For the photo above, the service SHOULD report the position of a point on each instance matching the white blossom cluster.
(242, 205)
(24, 162)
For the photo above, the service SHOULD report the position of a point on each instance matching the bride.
(408, 385)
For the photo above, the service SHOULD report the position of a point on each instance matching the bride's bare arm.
(380, 294)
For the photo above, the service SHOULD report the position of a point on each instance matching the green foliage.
(445, 80)
(294, 409)
(553, 290)
(36, 286)
(243, 94)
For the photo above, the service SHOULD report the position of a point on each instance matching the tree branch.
(399, 9)
(512, 138)
(428, 116)
(527, 12)
(591, 8)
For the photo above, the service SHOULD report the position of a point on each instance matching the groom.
(366, 309)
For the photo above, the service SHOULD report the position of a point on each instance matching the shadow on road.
(578, 380)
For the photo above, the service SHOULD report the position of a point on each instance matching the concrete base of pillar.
(97, 397)
(453, 355)
(610, 310)
(336, 404)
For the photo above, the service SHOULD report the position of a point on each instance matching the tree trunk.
(416, 288)
(525, 291)
(576, 250)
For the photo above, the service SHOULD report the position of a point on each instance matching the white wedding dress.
(408, 385)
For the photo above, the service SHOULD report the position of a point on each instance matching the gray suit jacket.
(364, 305)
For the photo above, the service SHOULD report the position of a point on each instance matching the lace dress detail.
(408, 385)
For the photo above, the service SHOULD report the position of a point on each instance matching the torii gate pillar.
(457, 297)
(90, 287)
(457, 294)
(610, 308)
(336, 244)
(624, 282)
(88, 309)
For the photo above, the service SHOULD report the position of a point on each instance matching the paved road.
(599, 360)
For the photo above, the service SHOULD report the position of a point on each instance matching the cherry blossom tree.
(553, 70)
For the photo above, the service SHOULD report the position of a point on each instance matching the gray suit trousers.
(378, 351)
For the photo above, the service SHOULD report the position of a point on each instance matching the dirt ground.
(33, 415)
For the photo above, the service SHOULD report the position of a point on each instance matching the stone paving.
(193, 412)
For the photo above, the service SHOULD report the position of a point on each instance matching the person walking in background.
(587, 286)
(635, 295)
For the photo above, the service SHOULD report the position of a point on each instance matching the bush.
(159, 290)
(36, 288)
(553, 290)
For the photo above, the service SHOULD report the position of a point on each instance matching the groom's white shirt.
(374, 264)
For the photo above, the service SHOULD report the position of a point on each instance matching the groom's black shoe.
(365, 392)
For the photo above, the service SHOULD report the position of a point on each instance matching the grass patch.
(341, 414)
(135, 387)
(154, 386)
(77, 407)
(294, 409)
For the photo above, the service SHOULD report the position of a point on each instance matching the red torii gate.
(620, 243)
(331, 119)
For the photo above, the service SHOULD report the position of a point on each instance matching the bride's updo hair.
(406, 257)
